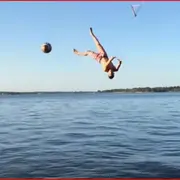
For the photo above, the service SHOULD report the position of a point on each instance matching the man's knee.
(89, 52)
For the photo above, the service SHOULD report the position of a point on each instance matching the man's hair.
(111, 76)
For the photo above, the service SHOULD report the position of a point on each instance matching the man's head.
(110, 74)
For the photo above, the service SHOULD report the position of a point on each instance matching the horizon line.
(88, 91)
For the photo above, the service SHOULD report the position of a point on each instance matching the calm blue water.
(90, 135)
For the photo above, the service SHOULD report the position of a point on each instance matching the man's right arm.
(109, 61)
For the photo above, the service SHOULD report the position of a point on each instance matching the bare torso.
(110, 66)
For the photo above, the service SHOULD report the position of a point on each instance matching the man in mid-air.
(101, 57)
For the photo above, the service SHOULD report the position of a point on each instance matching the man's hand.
(120, 62)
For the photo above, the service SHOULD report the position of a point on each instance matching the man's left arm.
(119, 65)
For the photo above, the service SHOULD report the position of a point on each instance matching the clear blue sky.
(149, 45)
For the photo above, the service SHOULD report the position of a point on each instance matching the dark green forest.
(145, 90)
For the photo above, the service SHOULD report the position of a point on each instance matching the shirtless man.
(101, 57)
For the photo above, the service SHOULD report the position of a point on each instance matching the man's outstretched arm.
(119, 65)
(110, 60)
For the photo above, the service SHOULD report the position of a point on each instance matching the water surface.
(90, 135)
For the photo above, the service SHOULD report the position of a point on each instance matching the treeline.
(16, 93)
(47, 92)
(145, 89)
(127, 90)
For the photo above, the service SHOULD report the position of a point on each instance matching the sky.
(148, 45)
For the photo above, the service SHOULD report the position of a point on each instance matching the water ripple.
(90, 135)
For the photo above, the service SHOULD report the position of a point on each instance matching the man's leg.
(97, 43)
(87, 53)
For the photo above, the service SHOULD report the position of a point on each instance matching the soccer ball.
(46, 47)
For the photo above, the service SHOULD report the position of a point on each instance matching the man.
(101, 57)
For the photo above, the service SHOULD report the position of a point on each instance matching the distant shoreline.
(144, 90)
(127, 90)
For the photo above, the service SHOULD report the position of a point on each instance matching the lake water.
(90, 135)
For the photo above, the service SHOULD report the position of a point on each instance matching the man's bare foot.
(75, 51)
(91, 31)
